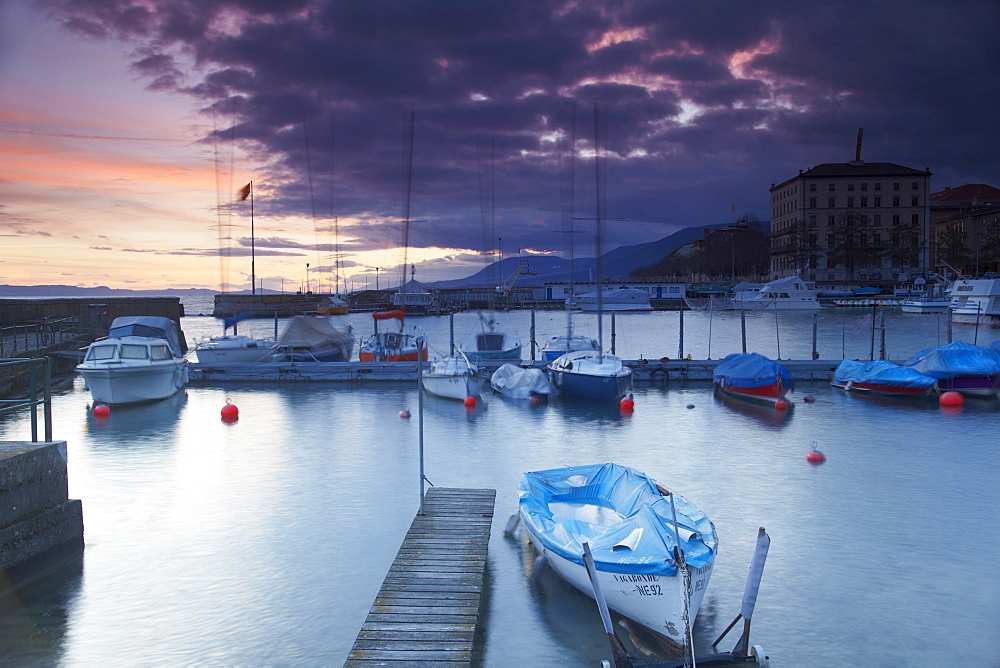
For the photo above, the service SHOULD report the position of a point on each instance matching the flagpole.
(253, 254)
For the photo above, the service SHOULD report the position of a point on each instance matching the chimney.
(857, 152)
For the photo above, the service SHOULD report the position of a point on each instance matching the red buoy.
(781, 404)
(627, 403)
(102, 410)
(815, 457)
(951, 399)
(470, 401)
(230, 411)
(809, 398)
(405, 413)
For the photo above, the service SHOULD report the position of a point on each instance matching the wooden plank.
(428, 607)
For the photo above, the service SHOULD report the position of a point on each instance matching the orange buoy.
(628, 402)
(405, 413)
(781, 404)
(470, 401)
(102, 410)
(230, 411)
(951, 399)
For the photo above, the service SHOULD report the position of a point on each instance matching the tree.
(801, 243)
(904, 245)
(989, 243)
(953, 245)
(853, 245)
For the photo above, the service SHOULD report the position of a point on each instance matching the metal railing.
(17, 340)
(39, 380)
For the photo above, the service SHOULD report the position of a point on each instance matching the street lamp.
(376, 279)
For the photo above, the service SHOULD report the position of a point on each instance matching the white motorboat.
(976, 301)
(783, 294)
(653, 550)
(614, 299)
(234, 348)
(589, 374)
(925, 305)
(515, 382)
(453, 377)
(141, 359)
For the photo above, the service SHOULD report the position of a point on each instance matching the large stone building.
(851, 221)
(965, 229)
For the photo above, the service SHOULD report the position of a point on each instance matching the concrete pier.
(643, 370)
(36, 513)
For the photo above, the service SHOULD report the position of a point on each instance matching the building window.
(916, 185)
(895, 185)
(877, 238)
(878, 186)
(831, 239)
(864, 219)
(915, 201)
(812, 187)
(812, 220)
(831, 219)
(831, 202)
(864, 186)
(915, 219)
(895, 201)
(864, 201)
(832, 187)
(850, 187)
(878, 201)
(877, 220)
(895, 219)
(812, 202)
(850, 202)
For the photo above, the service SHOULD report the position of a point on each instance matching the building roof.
(971, 194)
(855, 169)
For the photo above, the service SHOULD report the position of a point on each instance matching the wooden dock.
(428, 607)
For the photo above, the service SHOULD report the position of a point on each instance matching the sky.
(128, 126)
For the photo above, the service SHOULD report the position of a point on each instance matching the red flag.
(734, 206)
(244, 192)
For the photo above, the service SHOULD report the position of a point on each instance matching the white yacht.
(976, 301)
(141, 359)
(784, 294)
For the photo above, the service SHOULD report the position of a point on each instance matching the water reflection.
(158, 419)
(764, 415)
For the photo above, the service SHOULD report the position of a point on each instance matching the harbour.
(266, 539)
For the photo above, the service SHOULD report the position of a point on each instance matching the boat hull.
(877, 388)
(511, 354)
(652, 600)
(768, 394)
(134, 384)
(972, 384)
(453, 387)
(232, 350)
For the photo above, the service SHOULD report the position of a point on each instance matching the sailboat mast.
(572, 232)
(597, 240)
(409, 187)
(253, 252)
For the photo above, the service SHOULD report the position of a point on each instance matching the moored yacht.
(976, 301)
(141, 359)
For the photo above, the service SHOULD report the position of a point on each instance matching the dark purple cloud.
(705, 104)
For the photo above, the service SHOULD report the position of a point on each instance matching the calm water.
(264, 542)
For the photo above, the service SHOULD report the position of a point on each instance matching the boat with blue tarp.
(960, 367)
(753, 376)
(882, 377)
(638, 532)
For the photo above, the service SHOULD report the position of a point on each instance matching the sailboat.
(592, 374)
(403, 345)
(453, 377)
(491, 342)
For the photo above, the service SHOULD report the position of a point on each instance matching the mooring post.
(680, 334)
(612, 332)
(743, 328)
(815, 326)
(533, 343)
(451, 331)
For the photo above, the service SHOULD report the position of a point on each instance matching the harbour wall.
(37, 517)
(94, 312)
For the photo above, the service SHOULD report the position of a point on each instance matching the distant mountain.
(99, 291)
(617, 264)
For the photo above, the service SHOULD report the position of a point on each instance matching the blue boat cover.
(751, 370)
(881, 372)
(642, 541)
(956, 359)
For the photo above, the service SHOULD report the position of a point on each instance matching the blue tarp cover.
(956, 359)
(881, 372)
(751, 370)
(646, 523)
